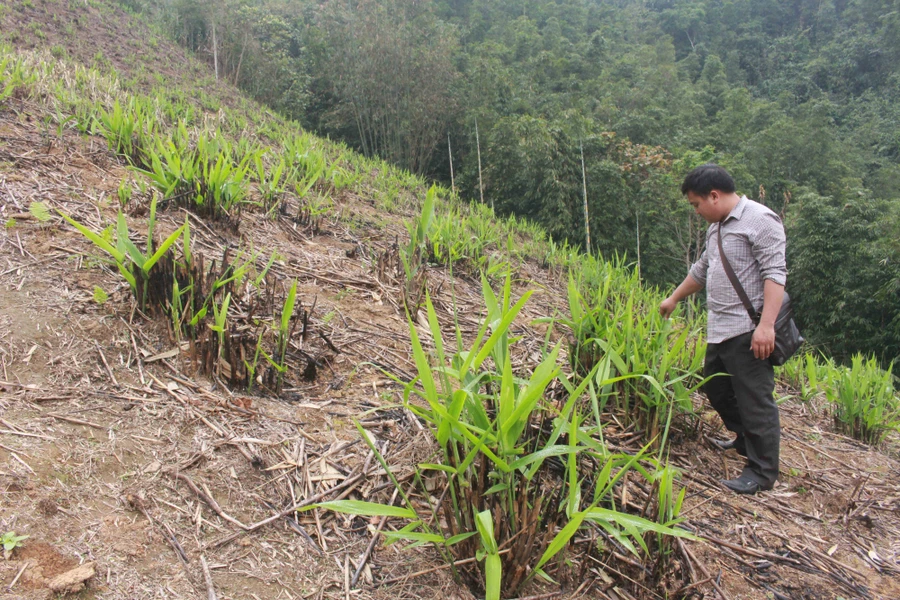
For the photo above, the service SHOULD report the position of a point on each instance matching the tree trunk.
(450, 154)
(587, 223)
(215, 50)
(637, 227)
(237, 71)
(480, 182)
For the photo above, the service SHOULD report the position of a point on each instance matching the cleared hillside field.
(164, 441)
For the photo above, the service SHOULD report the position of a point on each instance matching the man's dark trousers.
(744, 400)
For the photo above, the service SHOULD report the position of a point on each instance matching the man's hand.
(763, 342)
(667, 307)
(686, 288)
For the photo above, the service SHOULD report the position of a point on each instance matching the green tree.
(844, 273)
(534, 171)
(389, 67)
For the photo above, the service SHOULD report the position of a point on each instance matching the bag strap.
(754, 315)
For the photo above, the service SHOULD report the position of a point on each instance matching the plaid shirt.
(753, 240)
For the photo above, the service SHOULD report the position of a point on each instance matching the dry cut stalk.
(106, 364)
(75, 421)
(24, 434)
(706, 574)
(206, 497)
(19, 574)
(347, 577)
(210, 590)
(365, 557)
(311, 500)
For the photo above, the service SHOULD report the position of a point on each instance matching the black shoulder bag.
(787, 336)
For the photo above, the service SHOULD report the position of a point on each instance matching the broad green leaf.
(366, 509)
(480, 446)
(436, 467)
(414, 536)
(485, 524)
(561, 539)
(137, 257)
(516, 422)
(370, 443)
(163, 248)
(96, 239)
(493, 574)
(573, 496)
(634, 523)
(198, 317)
(498, 332)
(543, 454)
(435, 328)
(129, 277)
(187, 239)
(506, 405)
(288, 311)
(499, 487)
(151, 225)
(460, 537)
(423, 366)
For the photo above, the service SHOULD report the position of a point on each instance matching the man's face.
(706, 206)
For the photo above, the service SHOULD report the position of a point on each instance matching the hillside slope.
(118, 452)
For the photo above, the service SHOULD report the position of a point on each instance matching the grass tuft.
(866, 406)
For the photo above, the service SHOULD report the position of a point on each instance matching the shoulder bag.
(787, 336)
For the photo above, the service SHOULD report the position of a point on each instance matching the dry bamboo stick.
(25, 434)
(75, 421)
(703, 570)
(207, 577)
(206, 497)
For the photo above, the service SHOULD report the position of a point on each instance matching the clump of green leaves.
(128, 129)
(806, 374)
(668, 504)
(271, 182)
(14, 75)
(612, 315)
(124, 193)
(866, 405)
(39, 211)
(183, 290)
(201, 175)
(286, 326)
(11, 541)
(100, 296)
(338, 177)
(413, 256)
(518, 473)
(133, 264)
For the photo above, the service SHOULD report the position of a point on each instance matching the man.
(753, 241)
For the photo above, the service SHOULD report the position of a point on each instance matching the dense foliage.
(799, 99)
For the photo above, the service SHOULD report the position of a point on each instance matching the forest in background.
(799, 99)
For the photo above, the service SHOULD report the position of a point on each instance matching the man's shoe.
(744, 485)
(736, 444)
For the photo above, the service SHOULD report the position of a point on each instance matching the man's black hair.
(707, 178)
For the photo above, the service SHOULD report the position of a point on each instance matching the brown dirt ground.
(100, 483)
(95, 439)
